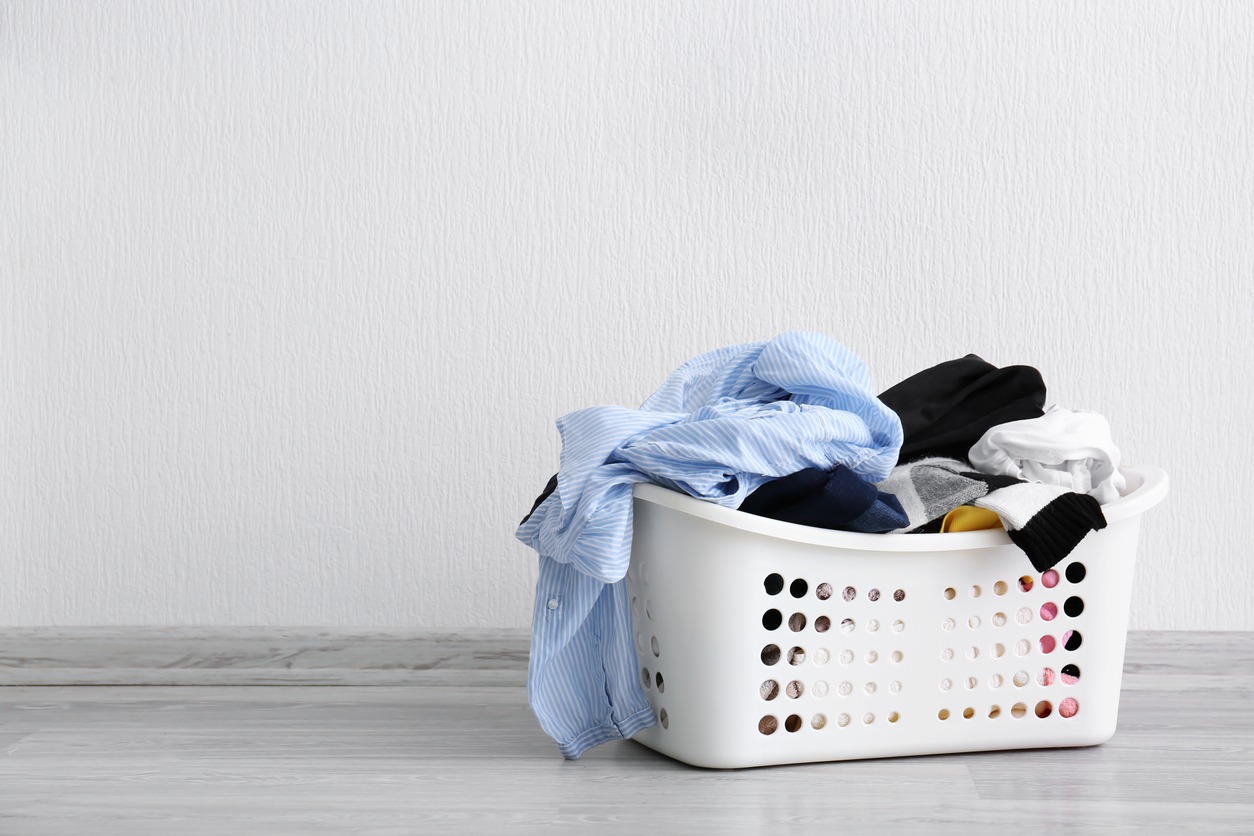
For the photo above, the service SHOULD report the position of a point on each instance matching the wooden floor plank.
(456, 753)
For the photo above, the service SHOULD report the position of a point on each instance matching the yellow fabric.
(969, 518)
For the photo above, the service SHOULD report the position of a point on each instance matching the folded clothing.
(947, 408)
(1069, 448)
(718, 428)
(835, 499)
(1045, 521)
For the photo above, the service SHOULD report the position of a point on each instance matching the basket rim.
(1147, 486)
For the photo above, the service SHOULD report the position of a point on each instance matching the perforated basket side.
(761, 649)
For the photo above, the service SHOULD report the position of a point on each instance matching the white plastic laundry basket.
(763, 642)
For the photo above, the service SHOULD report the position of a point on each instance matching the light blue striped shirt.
(718, 428)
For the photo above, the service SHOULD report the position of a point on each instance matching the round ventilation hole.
(1049, 580)
(795, 689)
(769, 690)
(1072, 640)
(796, 622)
(846, 625)
(1076, 572)
(950, 593)
(1025, 584)
(770, 654)
(943, 714)
(793, 723)
(1049, 611)
(796, 655)
(1018, 710)
(999, 588)
(893, 716)
(820, 689)
(818, 721)
(994, 712)
(822, 624)
(873, 595)
(664, 719)
(657, 651)
(1070, 675)
(771, 619)
(968, 713)
(1044, 709)
(843, 720)
(1045, 677)
(768, 724)
(1068, 707)
(661, 683)
(850, 593)
(1073, 606)
(774, 585)
(899, 595)
(823, 591)
(645, 678)
(822, 656)
(975, 591)
(1048, 644)
(799, 588)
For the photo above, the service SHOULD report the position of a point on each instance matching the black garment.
(945, 409)
(1058, 528)
(544, 494)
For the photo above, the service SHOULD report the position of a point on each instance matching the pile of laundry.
(791, 429)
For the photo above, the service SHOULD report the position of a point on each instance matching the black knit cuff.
(1058, 528)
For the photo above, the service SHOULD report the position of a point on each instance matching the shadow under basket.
(763, 642)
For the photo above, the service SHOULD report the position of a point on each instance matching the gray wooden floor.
(460, 751)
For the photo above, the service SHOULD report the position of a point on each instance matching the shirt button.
(552, 603)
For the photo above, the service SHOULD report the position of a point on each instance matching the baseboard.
(258, 656)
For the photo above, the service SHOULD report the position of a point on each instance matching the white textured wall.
(291, 292)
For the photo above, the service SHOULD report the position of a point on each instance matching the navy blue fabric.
(835, 499)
